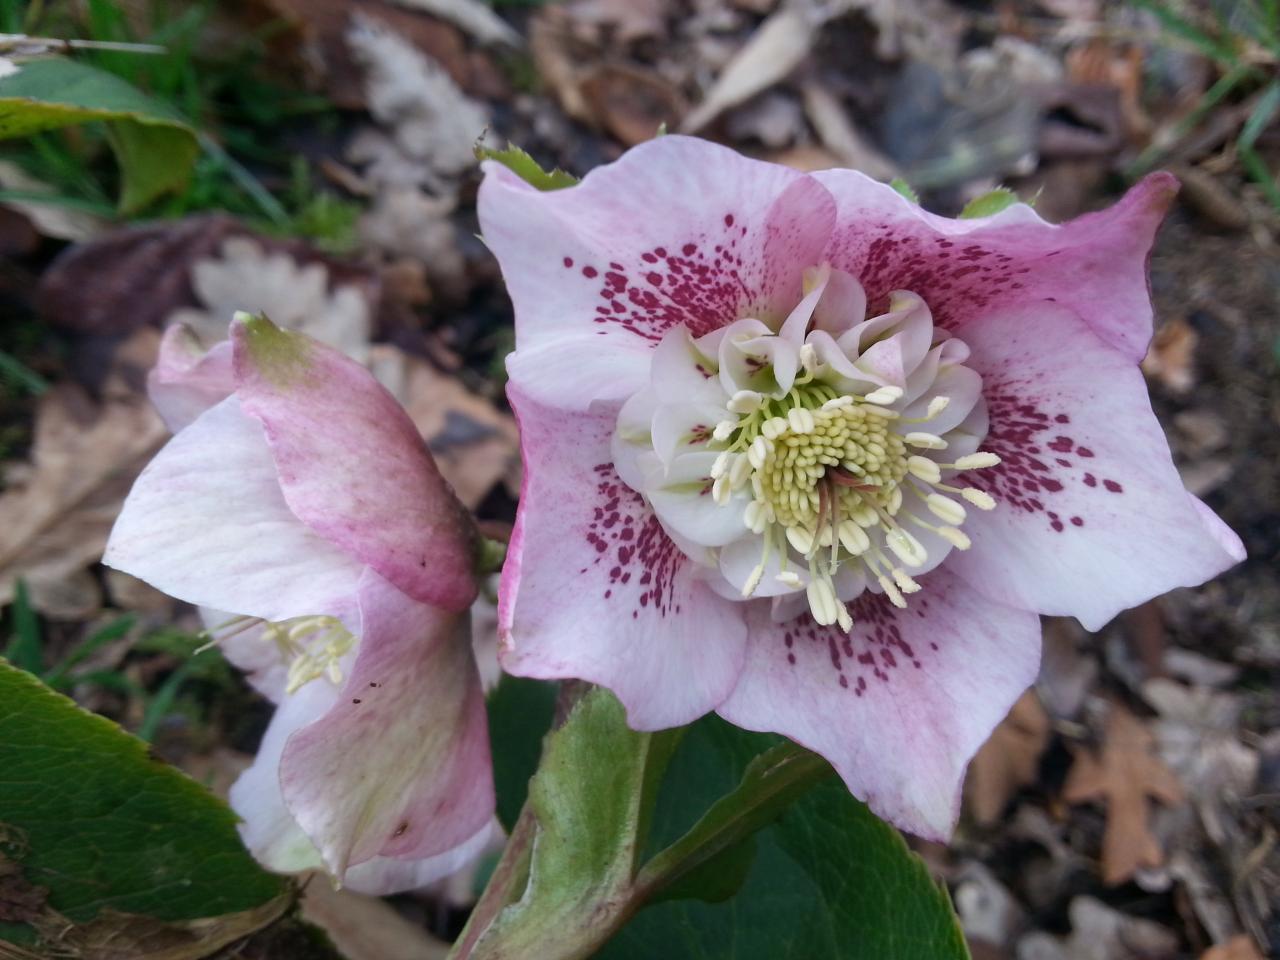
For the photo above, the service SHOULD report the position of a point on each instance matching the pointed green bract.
(280, 356)
(904, 188)
(154, 144)
(524, 166)
(989, 204)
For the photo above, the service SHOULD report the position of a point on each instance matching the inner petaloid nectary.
(811, 460)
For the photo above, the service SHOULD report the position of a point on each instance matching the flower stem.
(504, 887)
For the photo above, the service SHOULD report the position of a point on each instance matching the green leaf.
(520, 714)
(829, 879)
(591, 799)
(155, 145)
(524, 166)
(904, 188)
(989, 204)
(108, 830)
(25, 647)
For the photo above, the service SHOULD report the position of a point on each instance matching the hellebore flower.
(799, 452)
(298, 496)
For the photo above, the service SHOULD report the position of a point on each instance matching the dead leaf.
(1100, 933)
(247, 275)
(94, 287)
(85, 458)
(839, 135)
(987, 910)
(474, 444)
(1171, 358)
(366, 928)
(1237, 948)
(627, 20)
(631, 103)
(471, 17)
(1009, 760)
(319, 35)
(428, 119)
(777, 47)
(50, 219)
(1125, 775)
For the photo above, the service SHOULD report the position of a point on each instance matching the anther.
(979, 498)
(977, 461)
(924, 468)
(800, 420)
(724, 430)
(773, 428)
(945, 509)
(745, 401)
(956, 537)
(892, 592)
(907, 548)
(884, 395)
(759, 451)
(927, 441)
(789, 578)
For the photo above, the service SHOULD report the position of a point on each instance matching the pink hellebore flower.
(298, 495)
(801, 453)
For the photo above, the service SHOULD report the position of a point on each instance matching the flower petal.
(899, 705)
(399, 766)
(1092, 515)
(677, 232)
(1095, 264)
(276, 840)
(187, 380)
(352, 465)
(206, 523)
(593, 587)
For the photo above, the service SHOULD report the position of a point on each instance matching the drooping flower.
(799, 452)
(298, 497)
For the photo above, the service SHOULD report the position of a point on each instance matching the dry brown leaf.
(474, 444)
(366, 928)
(1125, 775)
(1009, 760)
(628, 20)
(471, 16)
(1171, 358)
(777, 47)
(85, 457)
(632, 103)
(1237, 948)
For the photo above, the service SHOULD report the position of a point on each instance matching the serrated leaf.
(155, 145)
(91, 817)
(904, 189)
(829, 880)
(989, 204)
(526, 168)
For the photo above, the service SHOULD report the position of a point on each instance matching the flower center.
(837, 476)
(312, 646)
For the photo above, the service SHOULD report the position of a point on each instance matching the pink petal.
(593, 587)
(677, 232)
(1092, 515)
(399, 766)
(187, 380)
(1095, 264)
(352, 465)
(901, 704)
(276, 840)
(206, 523)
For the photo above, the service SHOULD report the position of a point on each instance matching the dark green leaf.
(155, 146)
(524, 166)
(520, 714)
(25, 647)
(989, 204)
(106, 828)
(829, 879)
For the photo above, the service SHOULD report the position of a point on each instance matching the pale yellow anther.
(800, 420)
(853, 538)
(753, 580)
(809, 358)
(936, 406)
(773, 428)
(838, 403)
(926, 441)
(924, 469)
(800, 538)
(979, 498)
(977, 461)
(789, 578)
(739, 472)
(744, 401)
(884, 396)
(759, 452)
(721, 492)
(724, 430)
(756, 516)
(945, 509)
(904, 582)
(721, 465)
(892, 592)
(906, 547)
(956, 537)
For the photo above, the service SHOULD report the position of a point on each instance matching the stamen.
(927, 441)
(724, 430)
(924, 469)
(744, 401)
(975, 461)
(945, 509)
(979, 498)
(884, 395)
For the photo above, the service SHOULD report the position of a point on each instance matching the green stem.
(504, 887)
